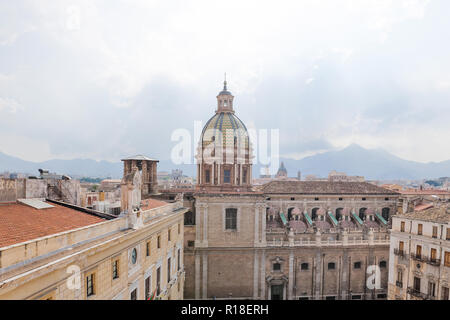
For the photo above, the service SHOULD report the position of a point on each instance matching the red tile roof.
(151, 204)
(20, 223)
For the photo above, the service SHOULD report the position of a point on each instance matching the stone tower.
(148, 170)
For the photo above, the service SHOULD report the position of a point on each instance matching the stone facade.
(287, 239)
(419, 266)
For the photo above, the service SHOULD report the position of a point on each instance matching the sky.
(107, 79)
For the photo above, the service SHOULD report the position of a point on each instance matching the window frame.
(234, 220)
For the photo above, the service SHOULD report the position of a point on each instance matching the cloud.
(107, 79)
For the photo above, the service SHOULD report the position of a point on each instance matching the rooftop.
(151, 204)
(439, 215)
(324, 187)
(20, 222)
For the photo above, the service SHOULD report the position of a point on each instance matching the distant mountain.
(375, 164)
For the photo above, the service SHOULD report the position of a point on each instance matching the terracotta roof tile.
(20, 223)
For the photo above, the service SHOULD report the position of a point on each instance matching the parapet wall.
(23, 252)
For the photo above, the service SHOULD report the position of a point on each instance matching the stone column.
(291, 275)
(213, 166)
(263, 226)
(255, 276)
(256, 240)
(205, 276)
(197, 276)
(263, 275)
(198, 235)
(318, 274)
(205, 225)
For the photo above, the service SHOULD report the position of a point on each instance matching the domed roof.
(227, 125)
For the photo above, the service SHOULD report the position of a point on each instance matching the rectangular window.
(168, 270)
(148, 285)
(401, 247)
(115, 269)
(419, 229)
(448, 234)
(158, 281)
(433, 255)
(419, 252)
(445, 293)
(402, 226)
(179, 259)
(357, 265)
(231, 219)
(435, 232)
(244, 176)
(447, 259)
(226, 176)
(147, 248)
(179, 228)
(133, 295)
(159, 242)
(90, 285)
(168, 235)
(207, 176)
(417, 284)
(431, 289)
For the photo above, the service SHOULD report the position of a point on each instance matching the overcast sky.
(107, 79)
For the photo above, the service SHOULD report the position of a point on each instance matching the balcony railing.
(434, 262)
(418, 257)
(428, 260)
(416, 293)
(400, 253)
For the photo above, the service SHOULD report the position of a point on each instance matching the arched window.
(289, 215)
(314, 214)
(385, 213)
(362, 213)
(339, 213)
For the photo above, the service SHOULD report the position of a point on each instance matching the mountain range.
(373, 164)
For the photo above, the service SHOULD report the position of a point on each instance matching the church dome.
(224, 154)
(227, 126)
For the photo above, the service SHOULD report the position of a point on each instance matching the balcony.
(417, 293)
(418, 257)
(428, 260)
(434, 262)
(400, 253)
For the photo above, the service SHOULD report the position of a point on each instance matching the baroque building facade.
(420, 255)
(283, 240)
